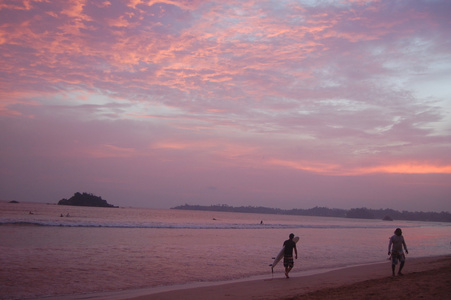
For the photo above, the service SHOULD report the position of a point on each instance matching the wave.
(186, 225)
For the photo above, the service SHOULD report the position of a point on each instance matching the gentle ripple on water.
(210, 246)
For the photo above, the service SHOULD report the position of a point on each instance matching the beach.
(424, 278)
(105, 253)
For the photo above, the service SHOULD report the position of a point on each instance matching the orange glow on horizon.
(337, 170)
(408, 169)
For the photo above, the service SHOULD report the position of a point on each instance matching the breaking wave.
(184, 225)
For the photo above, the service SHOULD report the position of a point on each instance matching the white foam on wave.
(178, 225)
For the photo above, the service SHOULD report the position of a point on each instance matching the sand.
(424, 278)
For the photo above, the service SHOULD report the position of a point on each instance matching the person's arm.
(405, 246)
(296, 251)
(389, 246)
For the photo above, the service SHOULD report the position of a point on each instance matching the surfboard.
(279, 255)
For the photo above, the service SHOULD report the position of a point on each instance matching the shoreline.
(302, 283)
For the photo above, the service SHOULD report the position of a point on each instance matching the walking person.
(395, 249)
(288, 262)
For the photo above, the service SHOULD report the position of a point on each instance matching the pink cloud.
(252, 88)
(111, 151)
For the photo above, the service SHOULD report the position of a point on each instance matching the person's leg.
(394, 262)
(402, 260)
(288, 271)
(286, 264)
(290, 264)
(400, 268)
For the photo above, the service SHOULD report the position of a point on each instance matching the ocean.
(51, 250)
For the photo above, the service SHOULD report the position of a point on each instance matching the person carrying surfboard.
(288, 262)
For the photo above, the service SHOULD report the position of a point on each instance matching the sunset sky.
(277, 103)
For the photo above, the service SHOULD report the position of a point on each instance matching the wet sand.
(424, 278)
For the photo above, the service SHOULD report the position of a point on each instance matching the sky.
(275, 103)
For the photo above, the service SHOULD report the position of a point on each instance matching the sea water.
(48, 250)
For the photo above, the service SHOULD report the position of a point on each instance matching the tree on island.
(365, 213)
(85, 199)
(360, 213)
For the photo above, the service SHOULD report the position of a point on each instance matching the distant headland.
(357, 213)
(85, 199)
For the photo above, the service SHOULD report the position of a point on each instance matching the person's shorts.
(288, 261)
(395, 256)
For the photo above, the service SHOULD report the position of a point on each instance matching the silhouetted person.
(288, 262)
(397, 241)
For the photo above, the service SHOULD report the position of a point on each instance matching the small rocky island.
(85, 199)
